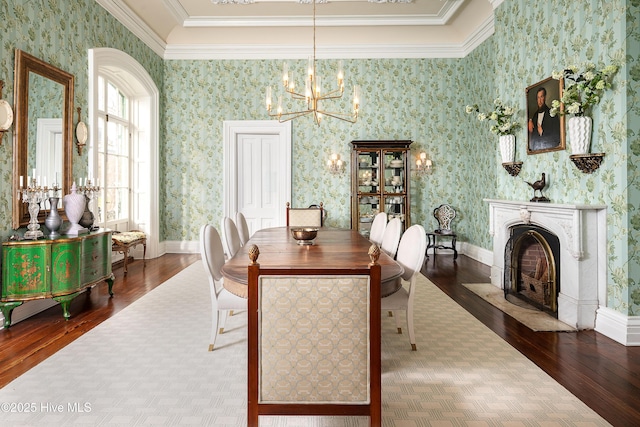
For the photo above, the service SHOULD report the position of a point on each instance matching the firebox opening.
(532, 273)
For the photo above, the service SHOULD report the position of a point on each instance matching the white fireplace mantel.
(582, 232)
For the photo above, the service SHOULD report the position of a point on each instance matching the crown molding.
(321, 21)
(132, 22)
(367, 51)
(176, 10)
(496, 3)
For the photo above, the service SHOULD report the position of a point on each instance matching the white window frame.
(135, 81)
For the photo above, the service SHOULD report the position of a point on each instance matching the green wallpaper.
(402, 99)
(59, 32)
(527, 47)
(418, 99)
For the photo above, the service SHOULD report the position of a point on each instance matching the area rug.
(149, 365)
(529, 316)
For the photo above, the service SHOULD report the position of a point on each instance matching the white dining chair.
(411, 252)
(243, 228)
(378, 226)
(391, 237)
(230, 237)
(222, 301)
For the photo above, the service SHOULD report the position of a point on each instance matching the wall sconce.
(423, 165)
(6, 114)
(335, 164)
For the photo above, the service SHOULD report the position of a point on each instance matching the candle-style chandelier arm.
(313, 93)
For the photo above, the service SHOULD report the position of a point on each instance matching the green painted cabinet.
(53, 268)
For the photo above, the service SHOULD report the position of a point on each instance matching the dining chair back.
(410, 256)
(243, 228)
(222, 301)
(378, 226)
(305, 217)
(391, 237)
(230, 237)
(333, 341)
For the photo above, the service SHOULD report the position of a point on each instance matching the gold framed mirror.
(43, 132)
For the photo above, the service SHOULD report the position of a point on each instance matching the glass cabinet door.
(394, 172)
(379, 182)
(368, 208)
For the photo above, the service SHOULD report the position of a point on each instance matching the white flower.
(501, 115)
(557, 75)
(583, 90)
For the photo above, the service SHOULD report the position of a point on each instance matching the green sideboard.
(53, 268)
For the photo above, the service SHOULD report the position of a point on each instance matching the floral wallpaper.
(59, 32)
(418, 99)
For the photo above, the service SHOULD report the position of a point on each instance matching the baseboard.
(619, 327)
(182, 247)
(476, 252)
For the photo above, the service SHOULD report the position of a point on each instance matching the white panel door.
(258, 180)
(257, 172)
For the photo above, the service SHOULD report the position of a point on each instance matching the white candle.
(44, 182)
(34, 173)
(21, 182)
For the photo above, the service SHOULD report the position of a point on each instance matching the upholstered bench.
(125, 240)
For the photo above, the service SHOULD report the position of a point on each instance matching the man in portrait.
(544, 130)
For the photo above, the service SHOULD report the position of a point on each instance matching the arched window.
(123, 157)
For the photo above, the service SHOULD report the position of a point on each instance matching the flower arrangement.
(502, 115)
(583, 89)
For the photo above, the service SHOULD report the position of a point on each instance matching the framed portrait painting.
(544, 132)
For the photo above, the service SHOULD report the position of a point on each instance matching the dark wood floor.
(599, 371)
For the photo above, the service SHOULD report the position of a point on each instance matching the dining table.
(333, 248)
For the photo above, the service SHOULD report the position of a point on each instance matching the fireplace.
(532, 267)
(579, 259)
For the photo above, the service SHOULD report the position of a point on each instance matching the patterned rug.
(149, 365)
(529, 316)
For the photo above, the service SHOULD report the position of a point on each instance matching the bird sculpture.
(538, 186)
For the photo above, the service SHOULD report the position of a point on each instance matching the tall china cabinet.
(379, 182)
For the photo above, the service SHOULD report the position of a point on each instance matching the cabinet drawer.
(25, 271)
(96, 257)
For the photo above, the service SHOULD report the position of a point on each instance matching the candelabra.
(33, 194)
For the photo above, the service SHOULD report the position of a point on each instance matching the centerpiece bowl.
(304, 235)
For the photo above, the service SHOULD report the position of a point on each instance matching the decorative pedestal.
(587, 163)
(513, 168)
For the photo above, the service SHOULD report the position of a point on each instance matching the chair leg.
(398, 326)
(223, 320)
(412, 336)
(126, 259)
(215, 317)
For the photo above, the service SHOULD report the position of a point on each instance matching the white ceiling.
(268, 29)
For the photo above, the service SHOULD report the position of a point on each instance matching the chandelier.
(314, 95)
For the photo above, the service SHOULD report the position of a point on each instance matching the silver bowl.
(304, 235)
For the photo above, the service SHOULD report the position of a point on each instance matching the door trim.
(232, 128)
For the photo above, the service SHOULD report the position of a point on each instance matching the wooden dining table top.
(333, 248)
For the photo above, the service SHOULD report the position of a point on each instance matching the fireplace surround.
(581, 231)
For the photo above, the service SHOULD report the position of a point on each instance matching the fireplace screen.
(532, 260)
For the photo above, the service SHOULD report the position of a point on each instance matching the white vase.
(580, 134)
(508, 148)
(74, 204)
